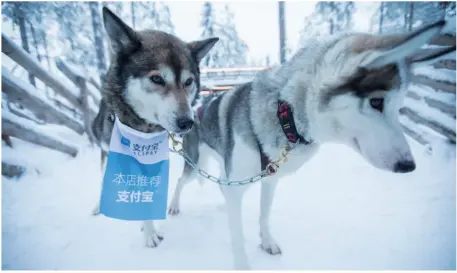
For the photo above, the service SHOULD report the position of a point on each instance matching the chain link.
(270, 169)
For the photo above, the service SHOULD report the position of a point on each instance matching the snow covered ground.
(337, 212)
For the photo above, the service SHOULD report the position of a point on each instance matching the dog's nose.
(185, 124)
(404, 166)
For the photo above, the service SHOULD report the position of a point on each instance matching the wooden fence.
(430, 105)
(75, 114)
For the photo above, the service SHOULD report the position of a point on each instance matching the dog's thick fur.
(152, 81)
(346, 89)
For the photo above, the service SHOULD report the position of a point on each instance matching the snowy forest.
(54, 58)
(73, 31)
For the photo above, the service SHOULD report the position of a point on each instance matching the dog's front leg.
(268, 244)
(233, 201)
(151, 237)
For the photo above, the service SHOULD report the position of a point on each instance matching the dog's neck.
(298, 82)
(294, 93)
(132, 120)
(144, 127)
(267, 91)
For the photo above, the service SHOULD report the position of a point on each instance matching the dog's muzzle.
(185, 124)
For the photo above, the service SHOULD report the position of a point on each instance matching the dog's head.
(153, 77)
(362, 81)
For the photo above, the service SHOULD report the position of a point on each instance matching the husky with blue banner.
(135, 184)
(151, 84)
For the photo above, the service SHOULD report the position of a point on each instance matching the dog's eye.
(377, 103)
(157, 80)
(111, 117)
(189, 81)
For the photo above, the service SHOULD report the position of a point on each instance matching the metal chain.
(270, 169)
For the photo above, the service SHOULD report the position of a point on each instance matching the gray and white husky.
(152, 81)
(346, 89)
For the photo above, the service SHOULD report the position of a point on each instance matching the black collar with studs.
(286, 119)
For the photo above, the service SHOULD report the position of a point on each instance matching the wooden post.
(81, 83)
(74, 77)
(381, 16)
(282, 33)
(7, 140)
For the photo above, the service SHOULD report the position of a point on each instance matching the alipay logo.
(125, 141)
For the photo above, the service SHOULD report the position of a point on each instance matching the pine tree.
(393, 14)
(207, 23)
(17, 12)
(164, 14)
(313, 26)
(143, 16)
(232, 49)
(428, 12)
(73, 33)
(338, 15)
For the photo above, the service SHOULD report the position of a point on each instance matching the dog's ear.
(122, 37)
(396, 48)
(429, 56)
(200, 48)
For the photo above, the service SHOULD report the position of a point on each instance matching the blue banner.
(135, 184)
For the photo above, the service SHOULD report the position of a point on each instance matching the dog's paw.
(153, 240)
(173, 210)
(271, 248)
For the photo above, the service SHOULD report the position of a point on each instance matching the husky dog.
(346, 89)
(151, 83)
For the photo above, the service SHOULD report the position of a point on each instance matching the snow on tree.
(17, 12)
(164, 15)
(208, 25)
(338, 15)
(327, 18)
(394, 17)
(313, 26)
(231, 50)
(145, 15)
(74, 36)
(427, 12)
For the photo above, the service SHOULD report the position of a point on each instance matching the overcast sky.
(257, 22)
